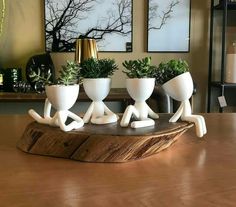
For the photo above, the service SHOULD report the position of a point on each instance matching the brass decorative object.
(85, 48)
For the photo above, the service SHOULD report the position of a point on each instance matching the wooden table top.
(192, 172)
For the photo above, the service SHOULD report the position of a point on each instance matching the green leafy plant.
(68, 75)
(97, 68)
(139, 68)
(171, 69)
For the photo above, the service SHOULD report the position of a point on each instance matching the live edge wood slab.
(101, 143)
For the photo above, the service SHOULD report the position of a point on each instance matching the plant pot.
(62, 98)
(180, 88)
(140, 89)
(97, 90)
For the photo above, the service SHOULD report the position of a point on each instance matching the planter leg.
(130, 110)
(143, 123)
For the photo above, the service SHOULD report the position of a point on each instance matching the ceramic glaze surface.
(62, 97)
(98, 113)
(98, 88)
(140, 89)
(179, 88)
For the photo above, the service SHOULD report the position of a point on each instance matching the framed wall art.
(109, 22)
(168, 25)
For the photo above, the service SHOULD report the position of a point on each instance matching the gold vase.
(85, 48)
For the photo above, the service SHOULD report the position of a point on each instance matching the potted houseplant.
(140, 85)
(61, 94)
(176, 80)
(95, 74)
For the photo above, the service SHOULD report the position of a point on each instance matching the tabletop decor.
(177, 82)
(109, 143)
(61, 95)
(95, 74)
(140, 85)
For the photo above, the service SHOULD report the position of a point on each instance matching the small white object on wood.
(97, 89)
(140, 89)
(180, 88)
(62, 98)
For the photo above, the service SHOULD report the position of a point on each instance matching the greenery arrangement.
(97, 68)
(171, 69)
(68, 75)
(139, 68)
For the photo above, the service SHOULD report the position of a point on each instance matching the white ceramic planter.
(180, 88)
(140, 89)
(97, 90)
(62, 98)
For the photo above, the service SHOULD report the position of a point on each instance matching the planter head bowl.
(140, 89)
(62, 97)
(180, 87)
(97, 88)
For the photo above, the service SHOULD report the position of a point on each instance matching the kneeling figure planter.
(140, 89)
(97, 89)
(62, 98)
(180, 88)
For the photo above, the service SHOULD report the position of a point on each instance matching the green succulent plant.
(97, 68)
(68, 75)
(139, 68)
(171, 69)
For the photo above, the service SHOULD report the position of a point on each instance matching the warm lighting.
(85, 48)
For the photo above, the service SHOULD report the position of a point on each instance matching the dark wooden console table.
(116, 94)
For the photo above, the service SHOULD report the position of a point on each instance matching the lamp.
(85, 49)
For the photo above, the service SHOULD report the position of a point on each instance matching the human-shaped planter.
(97, 90)
(61, 95)
(140, 89)
(62, 98)
(140, 85)
(97, 84)
(180, 88)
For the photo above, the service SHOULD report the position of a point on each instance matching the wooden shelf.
(231, 6)
(116, 94)
(102, 143)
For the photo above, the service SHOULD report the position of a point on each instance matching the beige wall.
(23, 36)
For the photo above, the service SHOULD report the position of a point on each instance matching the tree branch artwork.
(66, 20)
(168, 25)
(163, 17)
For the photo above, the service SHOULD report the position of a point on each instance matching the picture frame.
(109, 22)
(168, 26)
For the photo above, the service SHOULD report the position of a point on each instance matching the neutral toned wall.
(23, 36)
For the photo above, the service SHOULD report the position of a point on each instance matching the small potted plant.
(140, 85)
(176, 80)
(61, 95)
(95, 74)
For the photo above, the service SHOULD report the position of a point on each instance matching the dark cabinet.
(221, 82)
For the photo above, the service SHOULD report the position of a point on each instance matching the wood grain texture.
(101, 143)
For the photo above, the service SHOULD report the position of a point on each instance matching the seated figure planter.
(140, 86)
(62, 97)
(178, 84)
(97, 85)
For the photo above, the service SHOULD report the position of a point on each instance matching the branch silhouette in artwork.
(164, 16)
(63, 19)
